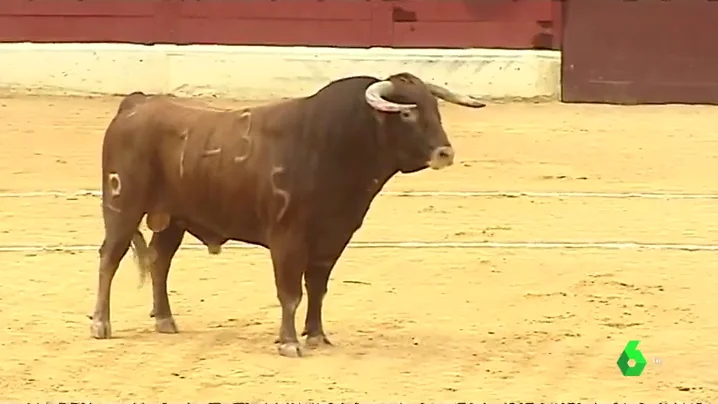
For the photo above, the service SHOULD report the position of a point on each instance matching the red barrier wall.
(635, 52)
(513, 24)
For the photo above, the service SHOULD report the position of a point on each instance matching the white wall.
(254, 72)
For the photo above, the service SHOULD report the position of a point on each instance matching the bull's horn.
(375, 93)
(454, 98)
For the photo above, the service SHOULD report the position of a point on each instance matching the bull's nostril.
(444, 153)
(441, 157)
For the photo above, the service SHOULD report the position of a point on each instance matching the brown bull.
(296, 177)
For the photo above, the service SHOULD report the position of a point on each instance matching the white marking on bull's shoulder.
(277, 190)
(111, 207)
(131, 113)
(115, 184)
(373, 186)
(247, 114)
(184, 136)
(212, 152)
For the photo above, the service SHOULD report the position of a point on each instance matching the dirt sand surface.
(436, 323)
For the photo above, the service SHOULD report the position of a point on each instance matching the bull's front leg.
(316, 279)
(289, 265)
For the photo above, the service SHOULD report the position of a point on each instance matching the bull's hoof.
(100, 329)
(166, 325)
(316, 341)
(214, 249)
(290, 350)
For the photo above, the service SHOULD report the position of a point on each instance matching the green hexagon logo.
(631, 352)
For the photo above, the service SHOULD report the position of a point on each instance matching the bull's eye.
(408, 115)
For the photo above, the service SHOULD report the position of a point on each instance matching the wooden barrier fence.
(511, 24)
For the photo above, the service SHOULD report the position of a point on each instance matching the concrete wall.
(257, 72)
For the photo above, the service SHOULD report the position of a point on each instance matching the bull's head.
(411, 117)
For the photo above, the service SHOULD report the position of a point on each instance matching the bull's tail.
(143, 255)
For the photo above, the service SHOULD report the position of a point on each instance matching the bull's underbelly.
(217, 226)
(212, 217)
(211, 236)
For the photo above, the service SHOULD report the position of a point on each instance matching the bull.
(296, 177)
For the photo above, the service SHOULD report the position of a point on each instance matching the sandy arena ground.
(410, 324)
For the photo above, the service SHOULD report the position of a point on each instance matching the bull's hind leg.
(119, 228)
(165, 244)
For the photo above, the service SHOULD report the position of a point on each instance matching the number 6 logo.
(631, 352)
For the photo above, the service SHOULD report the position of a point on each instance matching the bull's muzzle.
(442, 157)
